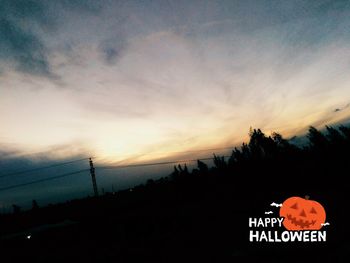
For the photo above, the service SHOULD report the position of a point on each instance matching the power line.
(78, 160)
(100, 167)
(42, 168)
(158, 163)
(42, 180)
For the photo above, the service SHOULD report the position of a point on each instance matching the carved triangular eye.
(303, 213)
(295, 206)
(313, 211)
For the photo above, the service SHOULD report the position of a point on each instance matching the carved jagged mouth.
(301, 223)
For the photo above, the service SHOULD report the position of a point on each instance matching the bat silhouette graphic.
(325, 224)
(268, 213)
(276, 205)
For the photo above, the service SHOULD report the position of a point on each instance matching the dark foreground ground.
(166, 226)
(198, 216)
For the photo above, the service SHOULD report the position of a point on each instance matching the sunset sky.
(144, 79)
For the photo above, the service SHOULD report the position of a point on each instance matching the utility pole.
(93, 177)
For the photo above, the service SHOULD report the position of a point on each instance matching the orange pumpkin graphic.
(302, 214)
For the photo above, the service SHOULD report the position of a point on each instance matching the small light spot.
(29, 237)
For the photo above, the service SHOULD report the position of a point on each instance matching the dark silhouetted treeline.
(198, 215)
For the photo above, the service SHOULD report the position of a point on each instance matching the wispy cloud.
(20, 44)
(163, 74)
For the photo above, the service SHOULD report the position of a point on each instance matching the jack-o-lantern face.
(302, 214)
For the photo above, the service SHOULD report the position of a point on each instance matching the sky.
(136, 81)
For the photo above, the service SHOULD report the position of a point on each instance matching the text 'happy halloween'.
(284, 236)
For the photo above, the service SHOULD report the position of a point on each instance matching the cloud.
(111, 49)
(143, 72)
(20, 44)
(27, 30)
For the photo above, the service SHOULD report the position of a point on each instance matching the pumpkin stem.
(307, 197)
